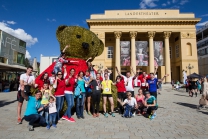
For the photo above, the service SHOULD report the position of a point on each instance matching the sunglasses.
(59, 74)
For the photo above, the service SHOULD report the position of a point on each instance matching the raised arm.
(65, 48)
(22, 88)
(55, 83)
(163, 78)
(137, 74)
(156, 67)
(119, 73)
(88, 59)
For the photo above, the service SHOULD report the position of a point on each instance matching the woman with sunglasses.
(80, 99)
(59, 86)
(70, 81)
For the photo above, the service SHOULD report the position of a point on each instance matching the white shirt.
(52, 107)
(130, 81)
(28, 79)
(131, 102)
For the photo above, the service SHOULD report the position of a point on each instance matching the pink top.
(140, 99)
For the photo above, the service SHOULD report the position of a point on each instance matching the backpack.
(77, 91)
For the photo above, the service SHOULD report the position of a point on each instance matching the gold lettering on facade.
(141, 13)
(185, 35)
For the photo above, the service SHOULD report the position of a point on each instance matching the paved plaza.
(177, 117)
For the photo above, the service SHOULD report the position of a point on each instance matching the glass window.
(177, 51)
(170, 52)
(15, 57)
(110, 52)
(20, 58)
(22, 43)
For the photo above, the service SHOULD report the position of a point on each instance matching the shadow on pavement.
(181, 95)
(3, 102)
(193, 106)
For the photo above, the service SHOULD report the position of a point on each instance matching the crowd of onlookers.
(88, 87)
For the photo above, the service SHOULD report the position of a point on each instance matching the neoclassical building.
(145, 39)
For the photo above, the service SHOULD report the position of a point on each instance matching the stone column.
(133, 50)
(167, 56)
(117, 51)
(151, 35)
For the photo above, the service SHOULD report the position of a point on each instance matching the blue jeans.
(70, 104)
(45, 112)
(52, 118)
(35, 118)
(59, 105)
(80, 105)
(57, 69)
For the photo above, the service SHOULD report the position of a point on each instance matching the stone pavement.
(177, 117)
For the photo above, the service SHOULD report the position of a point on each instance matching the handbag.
(202, 101)
(27, 90)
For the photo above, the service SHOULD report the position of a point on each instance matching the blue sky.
(36, 21)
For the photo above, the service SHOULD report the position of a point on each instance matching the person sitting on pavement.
(140, 102)
(33, 107)
(129, 104)
(151, 105)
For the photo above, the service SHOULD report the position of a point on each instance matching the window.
(22, 43)
(15, 57)
(20, 58)
(110, 51)
(177, 51)
(170, 51)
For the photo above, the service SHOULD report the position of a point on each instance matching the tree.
(27, 62)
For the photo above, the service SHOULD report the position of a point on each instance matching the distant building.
(202, 46)
(12, 56)
(46, 61)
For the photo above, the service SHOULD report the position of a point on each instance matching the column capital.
(151, 34)
(133, 34)
(167, 34)
(117, 34)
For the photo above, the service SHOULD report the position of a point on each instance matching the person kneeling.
(33, 107)
(151, 105)
(129, 105)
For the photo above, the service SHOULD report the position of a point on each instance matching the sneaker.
(53, 125)
(89, 113)
(82, 117)
(19, 121)
(94, 115)
(64, 117)
(30, 127)
(78, 117)
(133, 114)
(47, 127)
(106, 115)
(70, 119)
(113, 115)
(97, 114)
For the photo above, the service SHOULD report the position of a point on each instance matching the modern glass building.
(202, 49)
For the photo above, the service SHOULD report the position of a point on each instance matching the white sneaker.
(133, 114)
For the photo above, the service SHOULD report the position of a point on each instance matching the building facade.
(202, 46)
(145, 39)
(46, 61)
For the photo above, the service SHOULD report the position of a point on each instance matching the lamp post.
(100, 67)
(189, 67)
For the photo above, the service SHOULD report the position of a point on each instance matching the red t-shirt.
(59, 91)
(71, 85)
(143, 80)
(40, 83)
(121, 86)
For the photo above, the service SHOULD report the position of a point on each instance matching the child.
(44, 102)
(130, 104)
(140, 101)
(90, 68)
(52, 78)
(52, 112)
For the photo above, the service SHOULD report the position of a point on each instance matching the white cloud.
(51, 20)
(168, 2)
(204, 15)
(202, 24)
(27, 55)
(183, 2)
(11, 22)
(164, 4)
(147, 3)
(19, 33)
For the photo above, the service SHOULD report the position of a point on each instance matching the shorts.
(107, 95)
(121, 95)
(154, 94)
(19, 96)
(88, 94)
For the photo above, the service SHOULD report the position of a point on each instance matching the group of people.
(86, 87)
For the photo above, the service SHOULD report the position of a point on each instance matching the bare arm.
(137, 74)
(163, 78)
(55, 83)
(119, 73)
(155, 70)
(23, 93)
(65, 48)
(88, 59)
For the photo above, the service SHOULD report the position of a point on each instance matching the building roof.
(7, 67)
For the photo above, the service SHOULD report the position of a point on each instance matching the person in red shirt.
(70, 82)
(43, 79)
(120, 85)
(59, 86)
